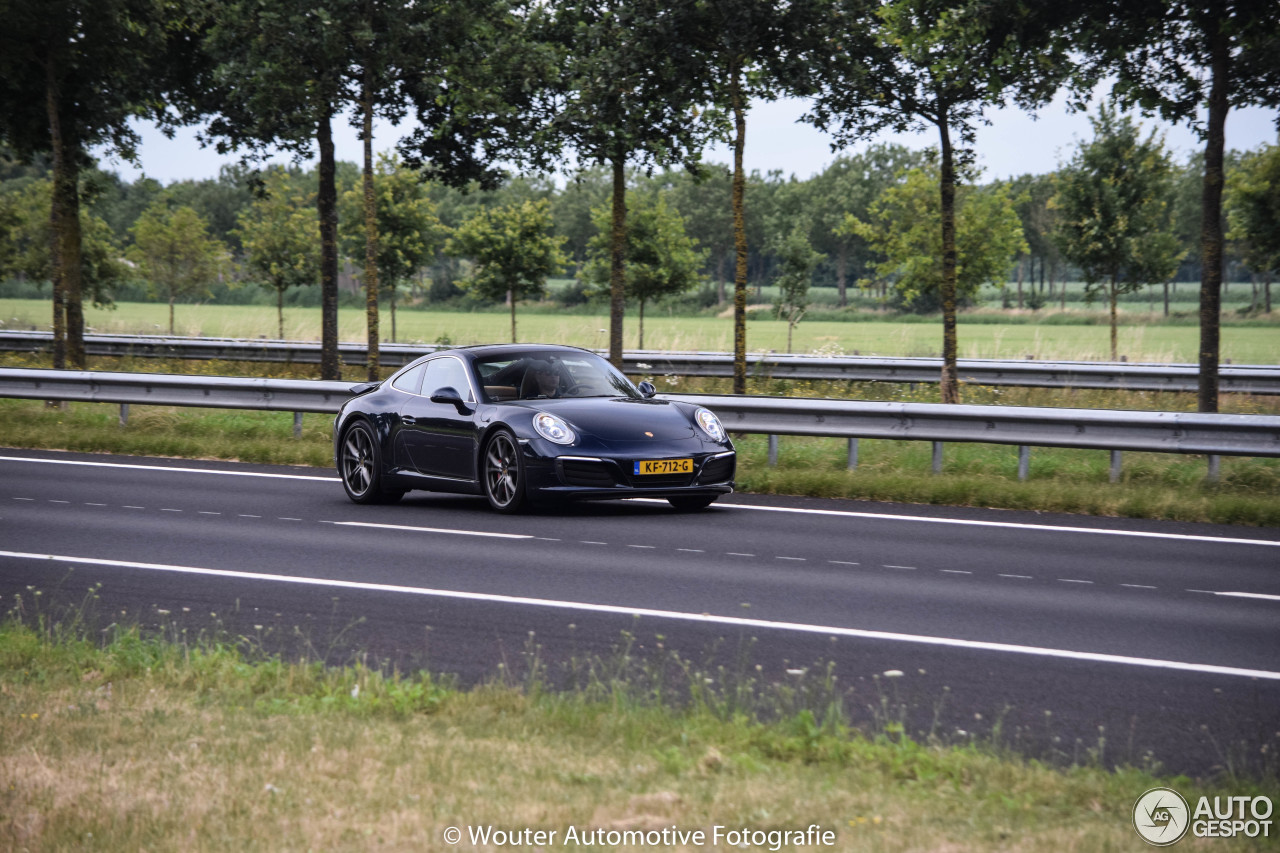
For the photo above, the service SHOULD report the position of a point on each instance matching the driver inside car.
(541, 380)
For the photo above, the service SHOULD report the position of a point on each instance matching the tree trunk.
(511, 299)
(370, 234)
(949, 383)
(1166, 299)
(327, 208)
(65, 248)
(280, 310)
(617, 261)
(641, 319)
(171, 301)
(1022, 264)
(739, 236)
(842, 267)
(1113, 298)
(1211, 223)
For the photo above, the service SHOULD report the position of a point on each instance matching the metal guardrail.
(1161, 432)
(1244, 379)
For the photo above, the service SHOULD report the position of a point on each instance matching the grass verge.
(117, 740)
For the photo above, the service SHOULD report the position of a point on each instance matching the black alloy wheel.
(504, 473)
(360, 466)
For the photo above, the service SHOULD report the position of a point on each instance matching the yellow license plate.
(663, 466)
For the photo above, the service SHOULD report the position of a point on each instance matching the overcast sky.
(1014, 143)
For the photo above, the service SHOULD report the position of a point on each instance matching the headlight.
(553, 429)
(710, 424)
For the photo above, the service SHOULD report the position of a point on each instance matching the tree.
(661, 259)
(626, 97)
(514, 252)
(26, 242)
(936, 64)
(797, 260)
(850, 185)
(278, 232)
(1177, 57)
(175, 253)
(73, 73)
(1114, 211)
(1253, 212)
(903, 227)
(746, 49)
(409, 234)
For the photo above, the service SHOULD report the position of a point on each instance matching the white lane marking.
(1019, 577)
(1257, 595)
(1186, 537)
(93, 504)
(692, 550)
(796, 559)
(647, 547)
(843, 563)
(242, 515)
(24, 499)
(955, 572)
(736, 554)
(975, 523)
(904, 568)
(207, 512)
(704, 618)
(169, 469)
(1138, 586)
(427, 529)
(1072, 580)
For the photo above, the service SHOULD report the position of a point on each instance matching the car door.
(440, 440)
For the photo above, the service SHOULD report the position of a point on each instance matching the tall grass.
(116, 738)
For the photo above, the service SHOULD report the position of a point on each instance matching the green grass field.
(1138, 342)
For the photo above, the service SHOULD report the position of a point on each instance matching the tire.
(360, 466)
(692, 503)
(503, 472)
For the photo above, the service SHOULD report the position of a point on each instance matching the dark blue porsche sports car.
(527, 423)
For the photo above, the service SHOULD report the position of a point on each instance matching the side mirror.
(450, 395)
(364, 387)
(646, 389)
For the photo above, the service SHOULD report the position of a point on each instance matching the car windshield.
(539, 374)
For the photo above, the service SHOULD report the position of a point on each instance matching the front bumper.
(589, 477)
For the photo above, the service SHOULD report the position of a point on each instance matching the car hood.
(619, 418)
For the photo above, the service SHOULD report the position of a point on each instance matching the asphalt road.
(1064, 637)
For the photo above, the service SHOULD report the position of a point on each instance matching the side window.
(409, 381)
(449, 372)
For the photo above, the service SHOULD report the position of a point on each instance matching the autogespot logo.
(1161, 817)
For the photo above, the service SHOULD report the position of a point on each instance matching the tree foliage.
(936, 64)
(174, 252)
(904, 227)
(661, 258)
(409, 232)
(278, 232)
(513, 250)
(1115, 215)
(1192, 61)
(796, 262)
(73, 73)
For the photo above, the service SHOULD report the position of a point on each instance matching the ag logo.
(1161, 817)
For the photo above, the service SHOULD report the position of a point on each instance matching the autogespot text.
(739, 837)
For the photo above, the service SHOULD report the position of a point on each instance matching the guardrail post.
(773, 451)
(297, 424)
(1024, 462)
(1116, 456)
(124, 414)
(853, 453)
(937, 457)
(1215, 462)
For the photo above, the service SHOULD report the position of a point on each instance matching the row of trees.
(1112, 214)
(620, 83)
